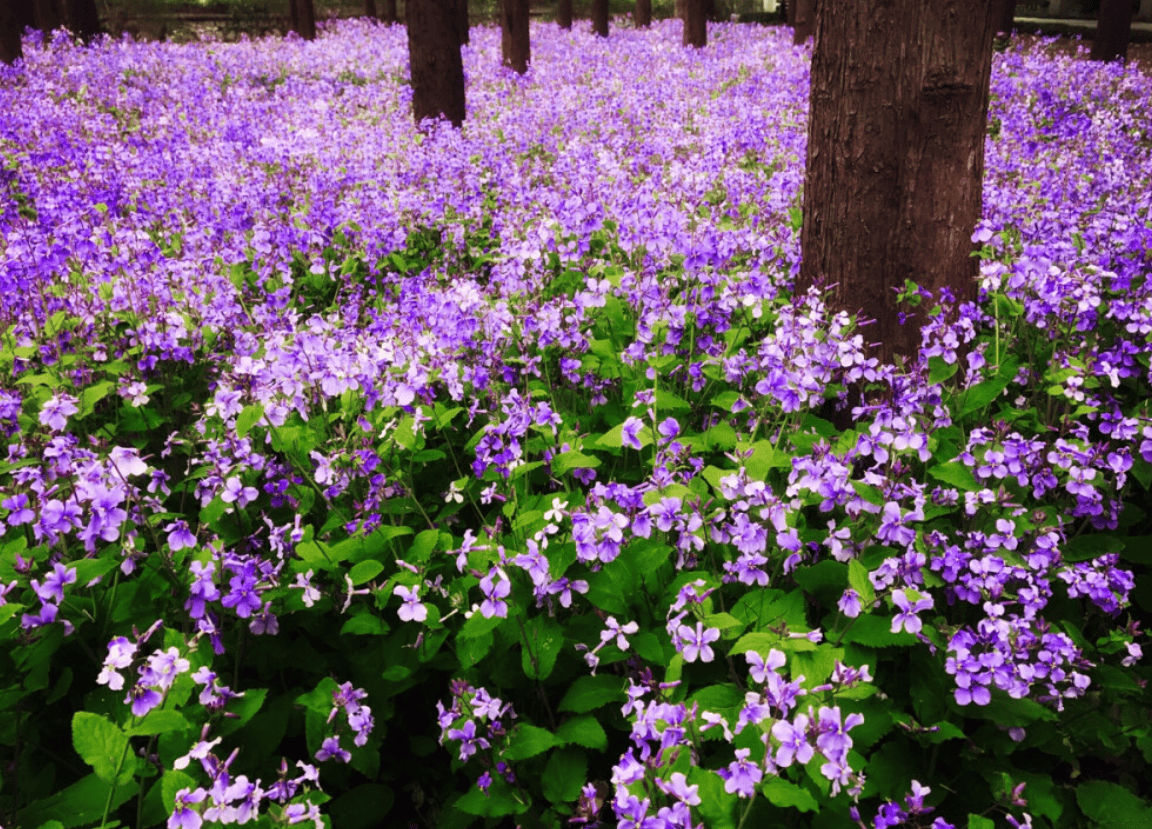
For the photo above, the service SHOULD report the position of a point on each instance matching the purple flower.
(52, 590)
(243, 596)
(630, 434)
(331, 748)
(677, 786)
(695, 643)
(143, 699)
(793, 739)
(18, 510)
(121, 652)
(469, 742)
(907, 617)
(179, 536)
(849, 604)
(203, 589)
(741, 776)
(494, 595)
(57, 410)
(182, 816)
(411, 610)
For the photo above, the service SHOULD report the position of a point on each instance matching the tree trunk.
(600, 17)
(790, 12)
(695, 24)
(1113, 30)
(564, 14)
(514, 41)
(462, 26)
(1007, 17)
(804, 20)
(303, 14)
(895, 163)
(48, 14)
(370, 9)
(681, 9)
(390, 15)
(436, 67)
(83, 19)
(643, 14)
(293, 17)
(11, 30)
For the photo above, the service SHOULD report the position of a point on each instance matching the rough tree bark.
(517, 49)
(803, 20)
(695, 24)
(304, 18)
(370, 9)
(643, 14)
(564, 14)
(1113, 30)
(436, 67)
(600, 17)
(463, 26)
(390, 15)
(680, 9)
(48, 14)
(895, 161)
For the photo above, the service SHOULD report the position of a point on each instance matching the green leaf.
(361, 807)
(103, 746)
(1088, 547)
(584, 730)
(876, 632)
(573, 460)
(715, 804)
(248, 418)
(172, 782)
(159, 722)
(478, 625)
(978, 822)
(859, 581)
(788, 795)
(365, 624)
(590, 692)
(939, 371)
(955, 474)
(93, 395)
(545, 639)
(982, 394)
(245, 709)
(528, 741)
(365, 571)
(565, 775)
(80, 804)
(1113, 806)
(498, 801)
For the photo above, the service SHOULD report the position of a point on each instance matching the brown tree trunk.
(49, 15)
(390, 11)
(1007, 17)
(895, 163)
(12, 22)
(564, 14)
(790, 12)
(370, 9)
(681, 9)
(436, 66)
(1113, 30)
(83, 18)
(804, 20)
(600, 17)
(293, 17)
(463, 29)
(643, 14)
(695, 24)
(517, 49)
(303, 18)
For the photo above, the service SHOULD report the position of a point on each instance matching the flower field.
(362, 476)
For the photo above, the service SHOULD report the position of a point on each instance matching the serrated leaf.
(939, 370)
(103, 746)
(159, 722)
(1113, 806)
(365, 571)
(584, 730)
(565, 775)
(980, 822)
(859, 581)
(248, 418)
(788, 795)
(955, 474)
(172, 782)
(573, 460)
(544, 641)
(590, 692)
(528, 741)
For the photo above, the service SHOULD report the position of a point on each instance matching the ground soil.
(1139, 54)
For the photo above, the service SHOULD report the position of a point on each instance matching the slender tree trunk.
(370, 9)
(11, 30)
(293, 16)
(790, 13)
(643, 14)
(83, 19)
(804, 20)
(564, 14)
(1007, 17)
(514, 41)
(462, 25)
(303, 14)
(695, 24)
(600, 17)
(895, 164)
(390, 15)
(436, 67)
(1113, 30)
(681, 9)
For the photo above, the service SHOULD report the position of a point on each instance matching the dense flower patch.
(364, 475)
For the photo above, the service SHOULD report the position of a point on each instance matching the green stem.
(115, 781)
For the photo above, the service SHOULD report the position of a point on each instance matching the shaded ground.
(1138, 53)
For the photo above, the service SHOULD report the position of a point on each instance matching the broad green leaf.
(955, 474)
(104, 746)
(565, 775)
(248, 418)
(244, 709)
(590, 692)
(788, 795)
(573, 460)
(159, 722)
(544, 641)
(528, 741)
(1112, 806)
(365, 571)
(361, 807)
(980, 822)
(172, 782)
(80, 804)
(939, 371)
(584, 730)
(860, 582)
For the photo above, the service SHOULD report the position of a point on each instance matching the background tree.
(564, 14)
(370, 9)
(84, 18)
(803, 20)
(436, 66)
(895, 161)
(643, 14)
(695, 24)
(600, 17)
(303, 22)
(50, 15)
(11, 30)
(514, 34)
(1007, 17)
(463, 27)
(1113, 30)
(390, 15)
